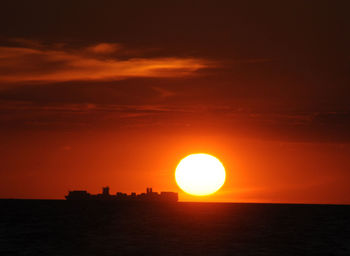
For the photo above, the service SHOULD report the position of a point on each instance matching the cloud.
(164, 93)
(55, 63)
(104, 48)
(284, 126)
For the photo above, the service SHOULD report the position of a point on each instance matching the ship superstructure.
(105, 195)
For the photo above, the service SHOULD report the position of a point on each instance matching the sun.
(200, 174)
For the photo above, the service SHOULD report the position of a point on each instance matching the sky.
(96, 93)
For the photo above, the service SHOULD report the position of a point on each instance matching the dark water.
(103, 228)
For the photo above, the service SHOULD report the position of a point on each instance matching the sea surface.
(55, 227)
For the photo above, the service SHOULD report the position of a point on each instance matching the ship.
(79, 195)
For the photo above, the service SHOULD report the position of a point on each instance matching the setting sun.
(200, 174)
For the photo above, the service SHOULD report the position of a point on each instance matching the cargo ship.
(119, 196)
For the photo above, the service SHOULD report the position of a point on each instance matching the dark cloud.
(264, 68)
(168, 118)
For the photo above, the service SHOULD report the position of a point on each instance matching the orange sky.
(48, 165)
(116, 94)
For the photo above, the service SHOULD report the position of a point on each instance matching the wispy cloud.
(104, 48)
(283, 126)
(58, 63)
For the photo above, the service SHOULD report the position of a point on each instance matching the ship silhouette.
(119, 196)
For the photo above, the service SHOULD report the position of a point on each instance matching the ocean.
(57, 227)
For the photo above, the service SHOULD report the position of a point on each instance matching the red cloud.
(104, 48)
(28, 64)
